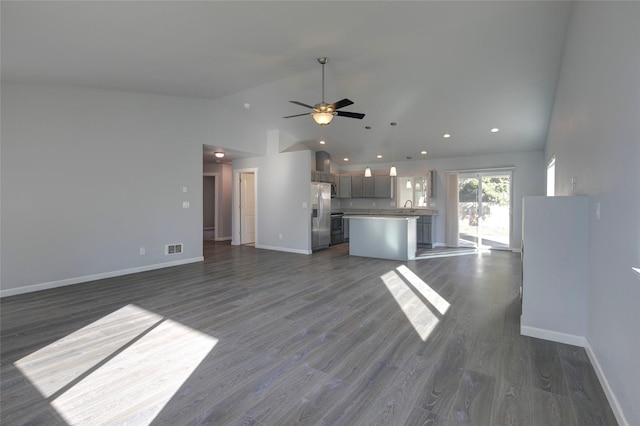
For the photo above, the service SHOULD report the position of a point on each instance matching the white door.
(247, 208)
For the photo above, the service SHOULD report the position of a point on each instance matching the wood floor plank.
(474, 400)
(586, 393)
(325, 339)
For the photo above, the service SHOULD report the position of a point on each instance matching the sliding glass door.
(484, 209)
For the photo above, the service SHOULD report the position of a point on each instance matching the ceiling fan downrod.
(323, 61)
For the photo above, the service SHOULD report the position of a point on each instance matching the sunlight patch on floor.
(121, 369)
(424, 289)
(419, 314)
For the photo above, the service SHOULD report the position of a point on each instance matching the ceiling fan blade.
(341, 104)
(297, 115)
(357, 115)
(301, 104)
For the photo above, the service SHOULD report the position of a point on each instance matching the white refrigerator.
(320, 215)
(554, 268)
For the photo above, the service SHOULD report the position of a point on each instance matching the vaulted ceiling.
(452, 67)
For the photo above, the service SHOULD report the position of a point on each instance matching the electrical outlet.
(185, 204)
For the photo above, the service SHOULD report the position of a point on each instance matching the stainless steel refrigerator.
(320, 215)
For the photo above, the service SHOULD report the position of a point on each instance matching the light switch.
(185, 204)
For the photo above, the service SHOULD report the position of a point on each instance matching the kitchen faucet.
(408, 201)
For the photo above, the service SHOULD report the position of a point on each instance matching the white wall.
(595, 136)
(91, 176)
(528, 179)
(283, 185)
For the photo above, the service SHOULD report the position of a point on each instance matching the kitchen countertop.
(389, 212)
(379, 217)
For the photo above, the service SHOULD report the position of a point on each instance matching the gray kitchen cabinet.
(356, 186)
(367, 187)
(344, 188)
(424, 231)
(433, 184)
(382, 186)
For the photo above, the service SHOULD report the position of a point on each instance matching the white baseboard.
(554, 336)
(222, 239)
(285, 249)
(611, 396)
(87, 278)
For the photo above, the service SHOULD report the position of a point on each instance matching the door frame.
(235, 220)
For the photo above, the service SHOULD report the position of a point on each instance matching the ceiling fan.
(323, 113)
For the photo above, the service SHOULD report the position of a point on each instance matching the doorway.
(484, 210)
(209, 208)
(245, 207)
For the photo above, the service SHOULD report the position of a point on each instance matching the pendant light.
(367, 171)
(393, 171)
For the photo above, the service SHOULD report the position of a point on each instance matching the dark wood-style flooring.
(258, 337)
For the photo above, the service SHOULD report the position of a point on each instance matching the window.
(414, 189)
(551, 177)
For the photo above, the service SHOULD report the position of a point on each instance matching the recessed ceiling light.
(345, 159)
(378, 156)
(219, 154)
(495, 130)
(247, 105)
(446, 135)
(322, 142)
(423, 152)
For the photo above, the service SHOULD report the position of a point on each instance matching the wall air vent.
(173, 249)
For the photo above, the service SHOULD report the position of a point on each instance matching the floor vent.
(173, 249)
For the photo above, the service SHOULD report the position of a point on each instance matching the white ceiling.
(432, 67)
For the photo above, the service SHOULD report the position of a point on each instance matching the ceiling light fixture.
(219, 154)
(345, 159)
(495, 130)
(323, 117)
(379, 156)
(322, 141)
(367, 171)
(446, 135)
(423, 152)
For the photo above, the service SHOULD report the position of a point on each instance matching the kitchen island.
(383, 237)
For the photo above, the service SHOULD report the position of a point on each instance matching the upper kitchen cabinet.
(368, 187)
(344, 188)
(432, 177)
(383, 186)
(356, 186)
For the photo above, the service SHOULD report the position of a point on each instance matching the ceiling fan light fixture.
(322, 118)
(367, 171)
